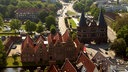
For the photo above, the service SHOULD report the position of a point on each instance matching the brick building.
(90, 30)
(58, 48)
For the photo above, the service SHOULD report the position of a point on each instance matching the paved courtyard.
(16, 50)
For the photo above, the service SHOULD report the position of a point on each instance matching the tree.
(123, 33)
(3, 56)
(42, 15)
(50, 20)
(14, 56)
(15, 24)
(30, 26)
(1, 21)
(53, 29)
(119, 46)
(40, 27)
(120, 22)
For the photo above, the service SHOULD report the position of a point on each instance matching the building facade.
(58, 48)
(90, 30)
(27, 14)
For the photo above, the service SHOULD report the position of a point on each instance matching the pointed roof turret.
(101, 20)
(82, 20)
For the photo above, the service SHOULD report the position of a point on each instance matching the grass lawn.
(73, 24)
(10, 62)
(70, 13)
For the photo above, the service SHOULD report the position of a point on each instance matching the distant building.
(27, 14)
(52, 1)
(90, 30)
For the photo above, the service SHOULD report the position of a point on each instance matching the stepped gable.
(27, 42)
(68, 67)
(86, 62)
(54, 38)
(101, 20)
(40, 38)
(39, 44)
(52, 68)
(82, 21)
(66, 36)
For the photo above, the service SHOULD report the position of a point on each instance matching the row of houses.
(57, 48)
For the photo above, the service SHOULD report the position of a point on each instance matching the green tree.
(1, 22)
(30, 26)
(119, 46)
(3, 55)
(15, 24)
(14, 56)
(123, 33)
(42, 15)
(53, 29)
(50, 20)
(40, 27)
(120, 22)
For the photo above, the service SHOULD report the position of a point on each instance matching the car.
(18, 53)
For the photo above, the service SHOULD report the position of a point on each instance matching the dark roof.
(27, 10)
(101, 20)
(68, 67)
(82, 20)
(99, 56)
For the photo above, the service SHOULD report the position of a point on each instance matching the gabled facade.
(27, 50)
(34, 52)
(90, 30)
(61, 47)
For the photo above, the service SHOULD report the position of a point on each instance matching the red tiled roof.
(68, 67)
(27, 42)
(66, 36)
(52, 69)
(86, 62)
(40, 38)
(54, 38)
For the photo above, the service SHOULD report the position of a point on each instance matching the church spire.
(101, 20)
(82, 21)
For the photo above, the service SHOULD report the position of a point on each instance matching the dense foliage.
(82, 5)
(120, 45)
(2, 55)
(8, 7)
